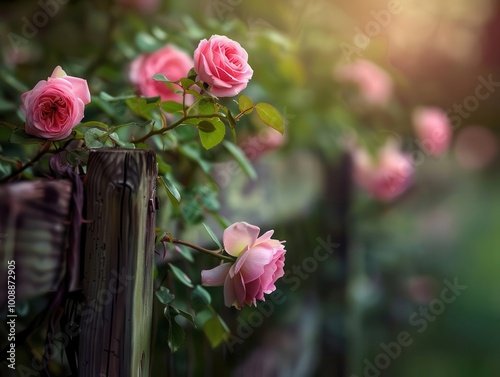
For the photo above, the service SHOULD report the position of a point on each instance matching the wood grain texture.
(33, 232)
(118, 269)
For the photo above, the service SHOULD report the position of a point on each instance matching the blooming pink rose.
(54, 106)
(169, 61)
(258, 265)
(223, 64)
(374, 83)
(385, 177)
(433, 129)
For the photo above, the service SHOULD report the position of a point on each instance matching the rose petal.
(251, 263)
(239, 237)
(216, 276)
(229, 292)
(80, 88)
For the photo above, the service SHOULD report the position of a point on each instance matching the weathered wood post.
(115, 338)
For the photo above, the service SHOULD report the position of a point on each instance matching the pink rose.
(223, 64)
(257, 145)
(385, 177)
(433, 129)
(476, 147)
(169, 61)
(374, 83)
(258, 265)
(54, 106)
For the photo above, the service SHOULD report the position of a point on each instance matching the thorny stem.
(176, 124)
(213, 253)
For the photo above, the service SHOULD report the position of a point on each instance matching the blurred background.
(398, 285)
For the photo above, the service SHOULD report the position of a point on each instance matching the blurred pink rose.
(433, 129)
(169, 61)
(143, 6)
(54, 106)
(374, 83)
(259, 264)
(266, 140)
(476, 147)
(223, 64)
(385, 177)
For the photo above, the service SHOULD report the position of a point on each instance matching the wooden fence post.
(115, 339)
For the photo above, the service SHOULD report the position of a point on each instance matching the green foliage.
(20, 137)
(245, 104)
(270, 116)
(212, 235)
(242, 160)
(214, 137)
(176, 334)
(144, 107)
(180, 275)
(163, 294)
(171, 106)
(200, 298)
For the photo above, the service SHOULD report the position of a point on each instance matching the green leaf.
(20, 137)
(242, 160)
(169, 185)
(176, 333)
(194, 93)
(5, 168)
(206, 126)
(245, 104)
(185, 252)
(193, 153)
(109, 98)
(163, 294)
(183, 313)
(207, 197)
(146, 42)
(181, 276)
(160, 77)
(216, 330)
(270, 116)
(192, 74)
(205, 107)
(92, 124)
(223, 222)
(93, 138)
(200, 298)
(160, 234)
(231, 120)
(191, 211)
(173, 200)
(211, 139)
(187, 83)
(212, 236)
(144, 107)
(125, 144)
(171, 106)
